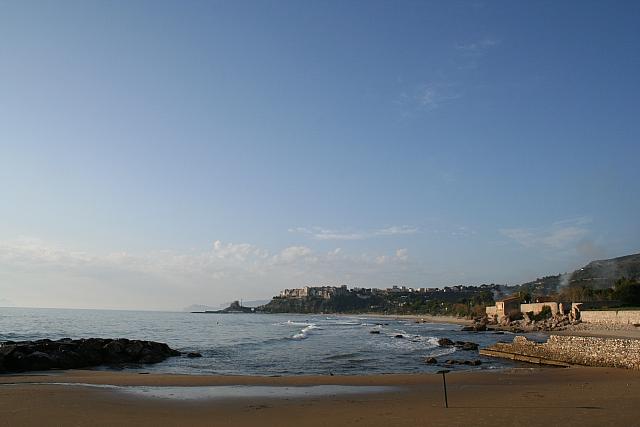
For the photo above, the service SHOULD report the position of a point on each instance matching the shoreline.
(421, 318)
(568, 396)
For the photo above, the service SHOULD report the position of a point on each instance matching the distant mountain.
(255, 303)
(198, 307)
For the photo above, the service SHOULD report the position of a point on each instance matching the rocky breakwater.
(570, 350)
(82, 353)
(460, 345)
(526, 322)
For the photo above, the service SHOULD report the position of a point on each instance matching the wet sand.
(517, 397)
(422, 318)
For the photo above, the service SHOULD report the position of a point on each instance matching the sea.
(262, 344)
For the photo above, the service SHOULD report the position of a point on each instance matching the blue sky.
(159, 154)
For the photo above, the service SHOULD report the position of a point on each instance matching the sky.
(157, 154)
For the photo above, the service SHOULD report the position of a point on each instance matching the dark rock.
(445, 342)
(480, 327)
(430, 360)
(399, 336)
(71, 354)
(469, 346)
(193, 355)
(374, 332)
(37, 361)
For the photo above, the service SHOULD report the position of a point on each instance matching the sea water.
(261, 344)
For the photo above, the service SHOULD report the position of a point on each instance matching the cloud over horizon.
(558, 236)
(320, 233)
(162, 279)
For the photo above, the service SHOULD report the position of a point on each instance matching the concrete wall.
(620, 317)
(537, 307)
(588, 351)
(491, 311)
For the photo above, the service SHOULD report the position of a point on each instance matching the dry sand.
(518, 397)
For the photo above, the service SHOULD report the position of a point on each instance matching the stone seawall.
(559, 350)
(538, 306)
(620, 317)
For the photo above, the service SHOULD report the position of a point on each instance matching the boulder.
(431, 360)
(399, 336)
(469, 346)
(480, 327)
(374, 332)
(445, 342)
(193, 355)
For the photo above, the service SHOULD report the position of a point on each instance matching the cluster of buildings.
(326, 292)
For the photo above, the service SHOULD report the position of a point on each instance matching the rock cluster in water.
(82, 353)
(462, 345)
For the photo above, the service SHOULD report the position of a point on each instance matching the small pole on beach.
(444, 383)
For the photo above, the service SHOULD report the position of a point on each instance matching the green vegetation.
(470, 304)
(627, 291)
(544, 314)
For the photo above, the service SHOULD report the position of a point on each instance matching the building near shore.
(326, 292)
(511, 305)
(504, 307)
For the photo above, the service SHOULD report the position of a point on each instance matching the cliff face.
(342, 304)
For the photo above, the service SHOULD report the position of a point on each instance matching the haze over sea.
(258, 344)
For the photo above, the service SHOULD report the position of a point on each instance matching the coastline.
(422, 318)
(568, 396)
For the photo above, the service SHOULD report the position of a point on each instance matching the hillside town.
(546, 303)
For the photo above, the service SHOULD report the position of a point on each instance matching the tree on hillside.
(627, 291)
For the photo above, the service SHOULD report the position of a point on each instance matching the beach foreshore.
(523, 396)
(419, 317)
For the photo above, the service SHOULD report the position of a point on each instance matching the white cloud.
(292, 254)
(560, 235)
(320, 233)
(429, 95)
(396, 230)
(35, 272)
(239, 252)
(402, 254)
(478, 47)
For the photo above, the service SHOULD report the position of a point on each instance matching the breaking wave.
(304, 332)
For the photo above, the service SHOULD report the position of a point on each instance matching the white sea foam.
(304, 332)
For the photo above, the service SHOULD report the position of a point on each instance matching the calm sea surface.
(261, 344)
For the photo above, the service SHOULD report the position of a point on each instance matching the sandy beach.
(548, 396)
(420, 317)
